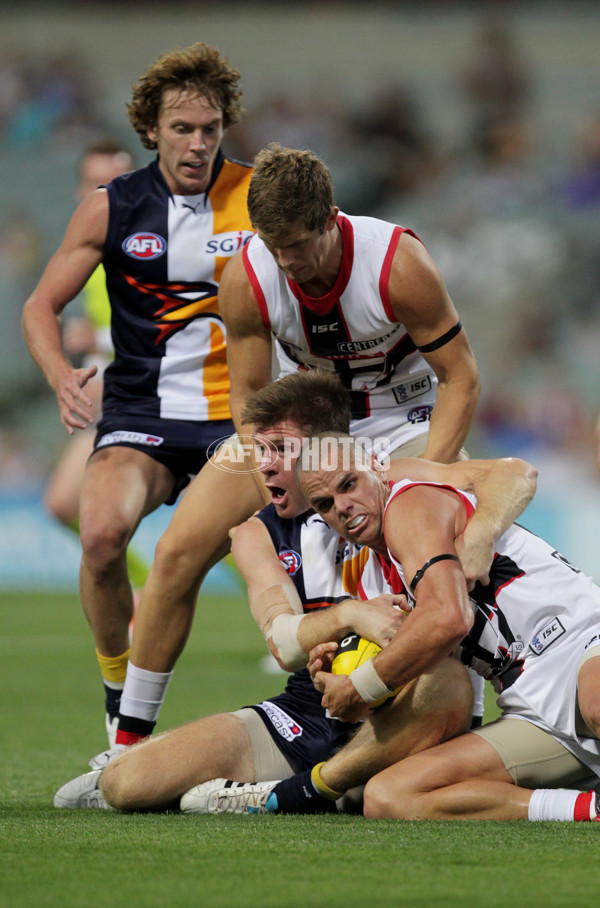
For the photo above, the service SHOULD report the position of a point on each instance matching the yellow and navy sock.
(320, 786)
(303, 793)
(113, 670)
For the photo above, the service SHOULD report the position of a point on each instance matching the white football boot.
(107, 756)
(82, 792)
(224, 796)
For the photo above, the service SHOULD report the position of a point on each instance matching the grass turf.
(52, 723)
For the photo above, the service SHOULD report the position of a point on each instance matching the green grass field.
(52, 723)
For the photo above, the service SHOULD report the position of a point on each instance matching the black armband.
(441, 341)
(427, 565)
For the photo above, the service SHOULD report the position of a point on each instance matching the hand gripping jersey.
(164, 256)
(351, 330)
(532, 624)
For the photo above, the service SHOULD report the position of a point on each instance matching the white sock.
(144, 693)
(562, 804)
(478, 684)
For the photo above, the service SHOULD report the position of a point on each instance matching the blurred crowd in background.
(514, 229)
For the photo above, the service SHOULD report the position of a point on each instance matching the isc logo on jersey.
(144, 246)
(228, 243)
(542, 640)
(412, 389)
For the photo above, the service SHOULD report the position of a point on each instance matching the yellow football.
(352, 652)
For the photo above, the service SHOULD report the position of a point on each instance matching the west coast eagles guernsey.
(351, 330)
(164, 256)
(532, 624)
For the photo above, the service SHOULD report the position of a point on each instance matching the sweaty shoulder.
(418, 513)
(412, 262)
(234, 272)
(89, 223)
(234, 286)
(237, 302)
(418, 294)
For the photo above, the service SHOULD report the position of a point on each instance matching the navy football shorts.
(299, 725)
(181, 445)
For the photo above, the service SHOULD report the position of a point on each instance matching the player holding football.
(297, 602)
(164, 234)
(533, 630)
(356, 296)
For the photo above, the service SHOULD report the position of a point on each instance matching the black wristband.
(427, 565)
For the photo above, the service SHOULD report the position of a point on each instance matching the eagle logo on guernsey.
(291, 561)
(144, 246)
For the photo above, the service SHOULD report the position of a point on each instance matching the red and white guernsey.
(351, 330)
(533, 622)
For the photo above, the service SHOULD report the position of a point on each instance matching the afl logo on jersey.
(419, 414)
(144, 245)
(291, 561)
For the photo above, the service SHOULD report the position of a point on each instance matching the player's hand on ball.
(330, 666)
(340, 697)
(321, 657)
(339, 694)
(378, 619)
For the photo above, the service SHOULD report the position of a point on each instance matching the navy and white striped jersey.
(163, 258)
